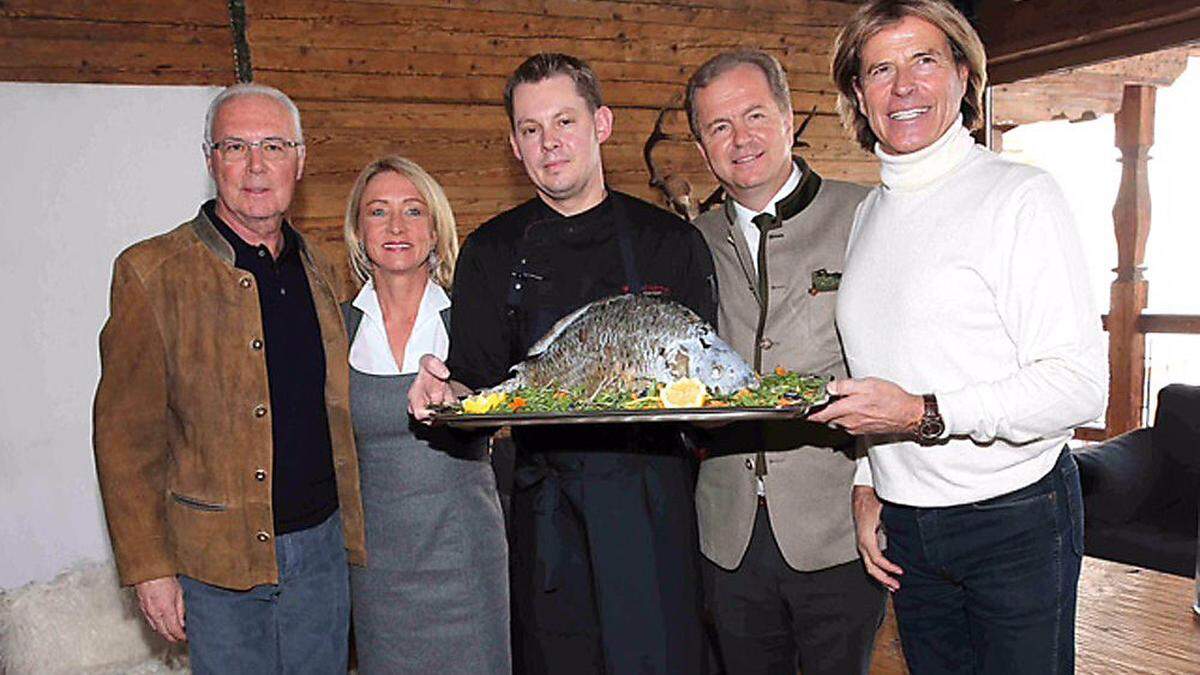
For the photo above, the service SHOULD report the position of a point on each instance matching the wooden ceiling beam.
(1083, 93)
(1027, 39)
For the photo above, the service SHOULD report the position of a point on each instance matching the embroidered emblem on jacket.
(824, 281)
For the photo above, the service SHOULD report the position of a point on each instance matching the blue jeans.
(300, 625)
(990, 587)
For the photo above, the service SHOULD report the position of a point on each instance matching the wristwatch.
(931, 425)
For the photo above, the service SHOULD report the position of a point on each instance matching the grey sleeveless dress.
(434, 595)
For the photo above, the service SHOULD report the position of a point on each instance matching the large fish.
(630, 342)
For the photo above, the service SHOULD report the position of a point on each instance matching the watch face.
(932, 428)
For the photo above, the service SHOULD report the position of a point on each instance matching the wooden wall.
(424, 77)
(116, 41)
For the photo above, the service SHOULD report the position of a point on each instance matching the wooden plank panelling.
(424, 78)
(116, 41)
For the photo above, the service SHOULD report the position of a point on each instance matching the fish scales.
(598, 347)
(630, 342)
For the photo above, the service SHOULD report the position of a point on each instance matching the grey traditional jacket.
(809, 468)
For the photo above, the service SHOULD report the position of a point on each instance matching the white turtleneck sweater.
(965, 278)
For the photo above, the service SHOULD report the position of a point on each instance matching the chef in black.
(605, 573)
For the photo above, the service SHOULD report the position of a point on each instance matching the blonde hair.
(873, 17)
(445, 231)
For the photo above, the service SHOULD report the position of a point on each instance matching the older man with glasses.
(222, 433)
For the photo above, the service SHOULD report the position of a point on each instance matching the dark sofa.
(1140, 489)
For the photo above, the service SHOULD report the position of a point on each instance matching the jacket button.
(256, 344)
(766, 343)
(244, 282)
(260, 475)
(260, 410)
(749, 464)
(262, 536)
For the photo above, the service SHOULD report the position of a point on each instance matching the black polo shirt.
(304, 486)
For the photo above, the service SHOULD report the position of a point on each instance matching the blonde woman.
(434, 595)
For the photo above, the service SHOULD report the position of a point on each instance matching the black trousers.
(605, 565)
(771, 618)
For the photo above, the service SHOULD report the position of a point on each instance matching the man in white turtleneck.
(975, 346)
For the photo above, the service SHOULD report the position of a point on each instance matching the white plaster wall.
(85, 170)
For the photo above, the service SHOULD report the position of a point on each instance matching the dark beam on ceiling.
(1027, 38)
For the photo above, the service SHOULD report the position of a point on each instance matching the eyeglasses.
(236, 149)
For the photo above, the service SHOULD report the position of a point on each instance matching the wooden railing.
(1184, 324)
(1145, 324)
(1188, 324)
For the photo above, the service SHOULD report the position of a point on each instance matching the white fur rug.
(81, 622)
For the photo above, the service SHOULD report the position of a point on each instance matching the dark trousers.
(989, 587)
(771, 618)
(605, 571)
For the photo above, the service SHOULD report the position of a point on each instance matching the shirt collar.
(596, 214)
(243, 250)
(370, 351)
(744, 214)
(433, 301)
(367, 302)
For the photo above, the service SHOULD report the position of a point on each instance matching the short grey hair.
(250, 89)
(722, 63)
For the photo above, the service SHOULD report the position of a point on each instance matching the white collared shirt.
(369, 350)
(744, 215)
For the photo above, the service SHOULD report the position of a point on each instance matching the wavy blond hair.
(873, 17)
(445, 230)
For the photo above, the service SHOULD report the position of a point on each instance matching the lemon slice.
(686, 393)
(483, 403)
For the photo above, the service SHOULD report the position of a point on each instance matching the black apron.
(605, 569)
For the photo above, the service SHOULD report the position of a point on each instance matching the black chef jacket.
(605, 573)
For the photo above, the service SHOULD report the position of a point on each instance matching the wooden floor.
(1131, 621)
(888, 659)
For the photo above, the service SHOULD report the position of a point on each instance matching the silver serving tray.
(720, 415)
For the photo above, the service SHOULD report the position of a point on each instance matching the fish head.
(718, 366)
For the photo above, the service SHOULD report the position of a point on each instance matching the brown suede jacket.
(182, 426)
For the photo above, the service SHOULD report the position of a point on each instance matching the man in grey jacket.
(783, 576)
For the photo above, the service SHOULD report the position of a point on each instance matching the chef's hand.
(161, 601)
(867, 509)
(431, 387)
(871, 406)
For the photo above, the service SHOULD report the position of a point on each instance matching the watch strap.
(932, 425)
